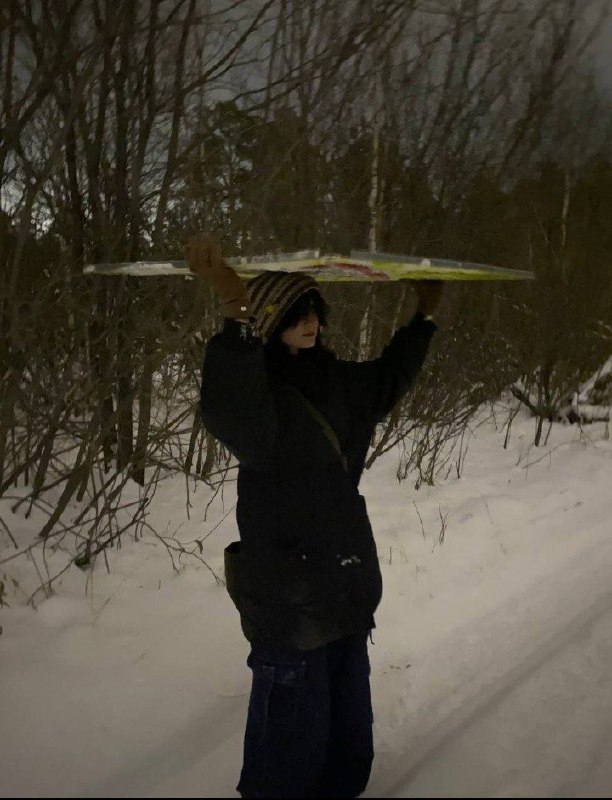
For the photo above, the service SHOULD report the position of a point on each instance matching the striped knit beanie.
(272, 294)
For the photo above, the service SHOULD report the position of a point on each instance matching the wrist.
(238, 309)
(427, 314)
(242, 332)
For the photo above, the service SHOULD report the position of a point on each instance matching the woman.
(305, 575)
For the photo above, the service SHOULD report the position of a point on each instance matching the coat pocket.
(259, 591)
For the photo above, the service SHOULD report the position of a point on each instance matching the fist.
(204, 257)
(203, 254)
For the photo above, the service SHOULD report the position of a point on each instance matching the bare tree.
(408, 126)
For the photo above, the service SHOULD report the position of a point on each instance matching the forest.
(468, 129)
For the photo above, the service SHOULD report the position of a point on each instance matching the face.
(303, 335)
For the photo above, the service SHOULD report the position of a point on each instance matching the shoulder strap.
(326, 427)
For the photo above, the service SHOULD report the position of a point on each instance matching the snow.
(490, 662)
(594, 399)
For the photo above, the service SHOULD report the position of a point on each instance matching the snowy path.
(513, 740)
(491, 668)
(540, 727)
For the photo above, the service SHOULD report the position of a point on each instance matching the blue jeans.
(309, 725)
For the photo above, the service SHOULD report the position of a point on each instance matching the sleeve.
(378, 385)
(236, 404)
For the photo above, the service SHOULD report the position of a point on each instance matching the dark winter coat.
(305, 571)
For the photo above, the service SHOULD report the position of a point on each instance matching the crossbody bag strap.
(326, 427)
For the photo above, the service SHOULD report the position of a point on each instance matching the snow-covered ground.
(490, 669)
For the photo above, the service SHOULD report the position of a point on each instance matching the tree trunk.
(145, 396)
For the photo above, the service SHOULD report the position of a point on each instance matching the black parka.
(305, 571)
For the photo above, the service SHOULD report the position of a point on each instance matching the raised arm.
(236, 403)
(379, 384)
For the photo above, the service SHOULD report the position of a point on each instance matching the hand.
(429, 294)
(203, 255)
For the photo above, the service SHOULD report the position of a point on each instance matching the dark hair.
(276, 351)
(311, 299)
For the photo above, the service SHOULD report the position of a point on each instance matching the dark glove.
(203, 255)
(429, 294)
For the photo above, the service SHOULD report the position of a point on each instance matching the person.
(305, 575)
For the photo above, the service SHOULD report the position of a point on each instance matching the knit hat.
(272, 294)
